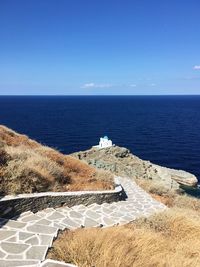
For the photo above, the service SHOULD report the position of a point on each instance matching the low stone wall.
(14, 205)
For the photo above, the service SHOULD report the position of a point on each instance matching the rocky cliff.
(120, 161)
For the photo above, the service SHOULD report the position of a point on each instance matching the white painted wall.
(104, 142)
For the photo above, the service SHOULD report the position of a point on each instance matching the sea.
(162, 129)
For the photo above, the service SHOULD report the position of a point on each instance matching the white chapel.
(104, 142)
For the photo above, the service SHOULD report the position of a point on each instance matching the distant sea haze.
(162, 129)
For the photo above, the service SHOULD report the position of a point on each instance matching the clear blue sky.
(99, 47)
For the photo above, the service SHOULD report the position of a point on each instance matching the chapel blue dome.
(106, 137)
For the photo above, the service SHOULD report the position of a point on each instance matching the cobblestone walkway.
(24, 240)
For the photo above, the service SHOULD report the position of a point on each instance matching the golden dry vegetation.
(167, 239)
(26, 166)
(171, 198)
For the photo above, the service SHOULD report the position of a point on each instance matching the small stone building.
(104, 142)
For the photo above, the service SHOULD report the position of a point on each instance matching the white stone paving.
(26, 239)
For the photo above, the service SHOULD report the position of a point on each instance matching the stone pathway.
(25, 240)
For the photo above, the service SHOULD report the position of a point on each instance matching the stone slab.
(45, 240)
(13, 248)
(4, 234)
(33, 240)
(55, 215)
(36, 253)
(52, 263)
(92, 214)
(24, 235)
(30, 218)
(70, 223)
(15, 224)
(16, 263)
(42, 229)
(88, 222)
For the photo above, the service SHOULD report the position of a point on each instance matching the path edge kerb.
(14, 205)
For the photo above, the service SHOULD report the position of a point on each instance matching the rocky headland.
(122, 162)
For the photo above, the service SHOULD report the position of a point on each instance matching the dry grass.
(11, 138)
(165, 239)
(171, 198)
(157, 188)
(100, 179)
(26, 166)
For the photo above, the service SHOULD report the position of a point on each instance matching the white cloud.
(94, 85)
(196, 67)
(106, 85)
(133, 85)
(88, 85)
(152, 84)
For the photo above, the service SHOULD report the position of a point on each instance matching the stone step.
(53, 263)
(42, 229)
(19, 263)
(19, 251)
(14, 225)
(29, 235)
(21, 237)
(30, 227)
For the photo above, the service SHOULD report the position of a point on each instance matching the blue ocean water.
(162, 129)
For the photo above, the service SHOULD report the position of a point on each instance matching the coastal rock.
(122, 162)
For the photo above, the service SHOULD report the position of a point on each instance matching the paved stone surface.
(4, 234)
(42, 229)
(24, 240)
(16, 263)
(37, 252)
(8, 247)
(52, 263)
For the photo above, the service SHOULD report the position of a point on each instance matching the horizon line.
(100, 95)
